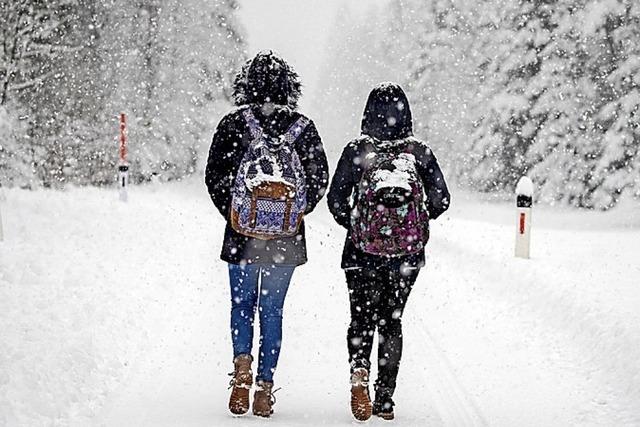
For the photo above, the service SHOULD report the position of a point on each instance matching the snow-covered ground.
(116, 314)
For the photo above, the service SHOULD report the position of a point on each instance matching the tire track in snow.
(455, 405)
(544, 299)
(560, 309)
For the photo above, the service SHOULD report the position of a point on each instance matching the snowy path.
(490, 340)
(183, 381)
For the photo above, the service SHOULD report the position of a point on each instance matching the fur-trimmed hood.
(267, 78)
(387, 115)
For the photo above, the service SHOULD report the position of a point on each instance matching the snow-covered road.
(117, 315)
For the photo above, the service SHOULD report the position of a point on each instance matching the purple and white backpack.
(390, 216)
(269, 195)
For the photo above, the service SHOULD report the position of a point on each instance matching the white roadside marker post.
(123, 166)
(524, 201)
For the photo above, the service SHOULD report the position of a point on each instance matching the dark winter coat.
(266, 78)
(387, 120)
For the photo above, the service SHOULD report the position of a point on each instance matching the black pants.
(377, 297)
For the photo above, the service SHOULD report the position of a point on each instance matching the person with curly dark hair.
(267, 170)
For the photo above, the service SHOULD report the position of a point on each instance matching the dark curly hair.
(267, 78)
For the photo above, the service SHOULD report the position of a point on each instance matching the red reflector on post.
(123, 138)
(522, 222)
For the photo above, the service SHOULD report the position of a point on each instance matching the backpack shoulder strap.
(296, 129)
(253, 123)
(369, 152)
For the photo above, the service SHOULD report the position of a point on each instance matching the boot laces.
(271, 394)
(233, 382)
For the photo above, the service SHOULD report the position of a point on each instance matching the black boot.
(383, 404)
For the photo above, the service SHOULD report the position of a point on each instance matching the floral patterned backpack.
(269, 195)
(390, 216)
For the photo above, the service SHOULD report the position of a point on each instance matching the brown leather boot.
(263, 399)
(361, 406)
(241, 382)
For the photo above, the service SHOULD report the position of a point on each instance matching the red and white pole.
(123, 166)
(524, 201)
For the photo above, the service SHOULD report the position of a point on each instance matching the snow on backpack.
(390, 217)
(269, 195)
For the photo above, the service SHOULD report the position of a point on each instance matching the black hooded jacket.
(271, 89)
(386, 121)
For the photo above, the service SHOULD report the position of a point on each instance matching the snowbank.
(82, 278)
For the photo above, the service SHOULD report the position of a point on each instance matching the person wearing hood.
(386, 188)
(261, 266)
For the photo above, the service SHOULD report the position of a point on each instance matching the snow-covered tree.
(547, 88)
(561, 101)
(38, 39)
(564, 142)
(505, 124)
(584, 150)
(614, 28)
(69, 67)
(177, 60)
(14, 167)
(31, 31)
(440, 77)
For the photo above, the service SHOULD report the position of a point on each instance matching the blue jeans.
(273, 283)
